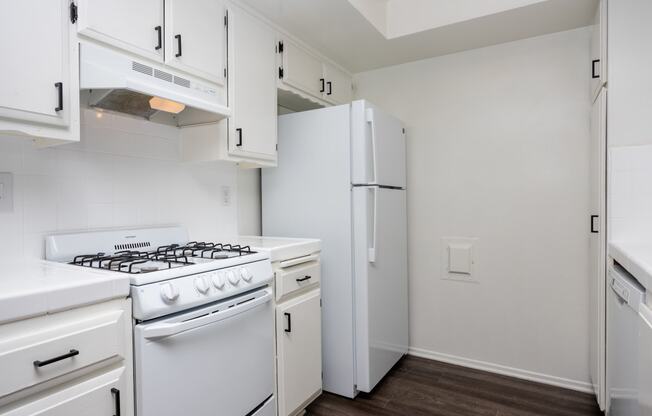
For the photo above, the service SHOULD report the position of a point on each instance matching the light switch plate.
(6, 192)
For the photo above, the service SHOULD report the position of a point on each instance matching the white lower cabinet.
(298, 343)
(108, 394)
(76, 362)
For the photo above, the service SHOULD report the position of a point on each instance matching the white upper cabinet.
(135, 26)
(338, 89)
(39, 86)
(599, 49)
(300, 69)
(252, 129)
(195, 35)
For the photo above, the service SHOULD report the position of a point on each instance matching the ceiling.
(378, 33)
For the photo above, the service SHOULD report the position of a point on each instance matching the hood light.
(169, 106)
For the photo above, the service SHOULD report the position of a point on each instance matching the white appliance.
(203, 318)
(625, 296)
(645, 360)
(116, 81)
(341, 178)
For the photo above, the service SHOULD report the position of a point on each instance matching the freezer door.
(377, 145)
(381, 287)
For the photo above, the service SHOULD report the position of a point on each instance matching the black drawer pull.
(322, 82)
(330, 88)
(116, 397)
(59, 87)
(593, 72)
(178, 38)
(159, 32)
(593, 229)
(303, 279)
(70, 354)
(289, 328)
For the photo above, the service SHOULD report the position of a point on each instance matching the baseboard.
(580, 386)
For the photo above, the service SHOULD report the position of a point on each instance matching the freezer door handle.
(370, 120)
(372, 250)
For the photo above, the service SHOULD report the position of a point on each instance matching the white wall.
(498, 149)
(124, 173)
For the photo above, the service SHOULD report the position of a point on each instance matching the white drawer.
(41, 349)
(291, 279)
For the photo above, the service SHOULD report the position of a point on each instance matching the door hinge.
(320, 304)
(73, 12)
(280, 72)
(224, 72)
(226, 19)
(280, 47)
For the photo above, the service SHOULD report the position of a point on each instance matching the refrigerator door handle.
(370, 120)
(372, 250)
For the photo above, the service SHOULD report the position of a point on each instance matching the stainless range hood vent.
(115, 82)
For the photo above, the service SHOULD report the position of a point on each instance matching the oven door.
(212, 361)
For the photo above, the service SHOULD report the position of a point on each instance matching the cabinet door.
(252, 58)
(338, 85)
(302, 70)
(196, 37)
(98, 396)
(131, 25)
(598, 48)
(298, 332)
(39, 82)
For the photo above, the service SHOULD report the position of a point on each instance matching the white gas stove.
(192, 302)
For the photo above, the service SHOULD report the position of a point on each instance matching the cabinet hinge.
(280, 72)
(280, 47)
(73, 12)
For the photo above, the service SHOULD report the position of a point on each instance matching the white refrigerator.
(341, 178)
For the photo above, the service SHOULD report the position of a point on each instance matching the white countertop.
(636, 258)
(38, 287)
(280, 248)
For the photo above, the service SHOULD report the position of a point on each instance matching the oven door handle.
(164, 330)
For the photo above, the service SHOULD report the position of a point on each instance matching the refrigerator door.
(381, 286)
(377, 146)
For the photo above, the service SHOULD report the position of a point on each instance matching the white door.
(252, 60)
(599, 48)
(597, 242)
(38, 82)
(218, 359)
(195, 33)
(302, 70)
(378, 147)
(381, 281)
(135, 26)
(645, 360)
(108, 394)
(338, 85)
(298, 343)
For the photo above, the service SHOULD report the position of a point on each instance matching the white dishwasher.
(623, 301)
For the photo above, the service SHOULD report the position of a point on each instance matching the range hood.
(114, 81)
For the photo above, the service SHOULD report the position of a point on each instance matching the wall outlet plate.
(459, 259)
(6, 192)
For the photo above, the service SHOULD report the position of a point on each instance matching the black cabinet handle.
(323, 87)
(593, 218)
(289, 328)
(593, 72)
(116, 397)
(239, 131)
(330, 88)
(303, 279)
(70, 354)
(178, 38)
(159, 32)
(59, 86)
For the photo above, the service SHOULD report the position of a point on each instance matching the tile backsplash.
(630, 193)
(124, 173)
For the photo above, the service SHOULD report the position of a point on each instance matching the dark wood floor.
(418, 387)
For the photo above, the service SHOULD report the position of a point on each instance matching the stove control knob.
(219, 280)
(234, 279)
(202, 285)
(246, 274)
(169, 292)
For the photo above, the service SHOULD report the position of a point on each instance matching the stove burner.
(164, 257)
